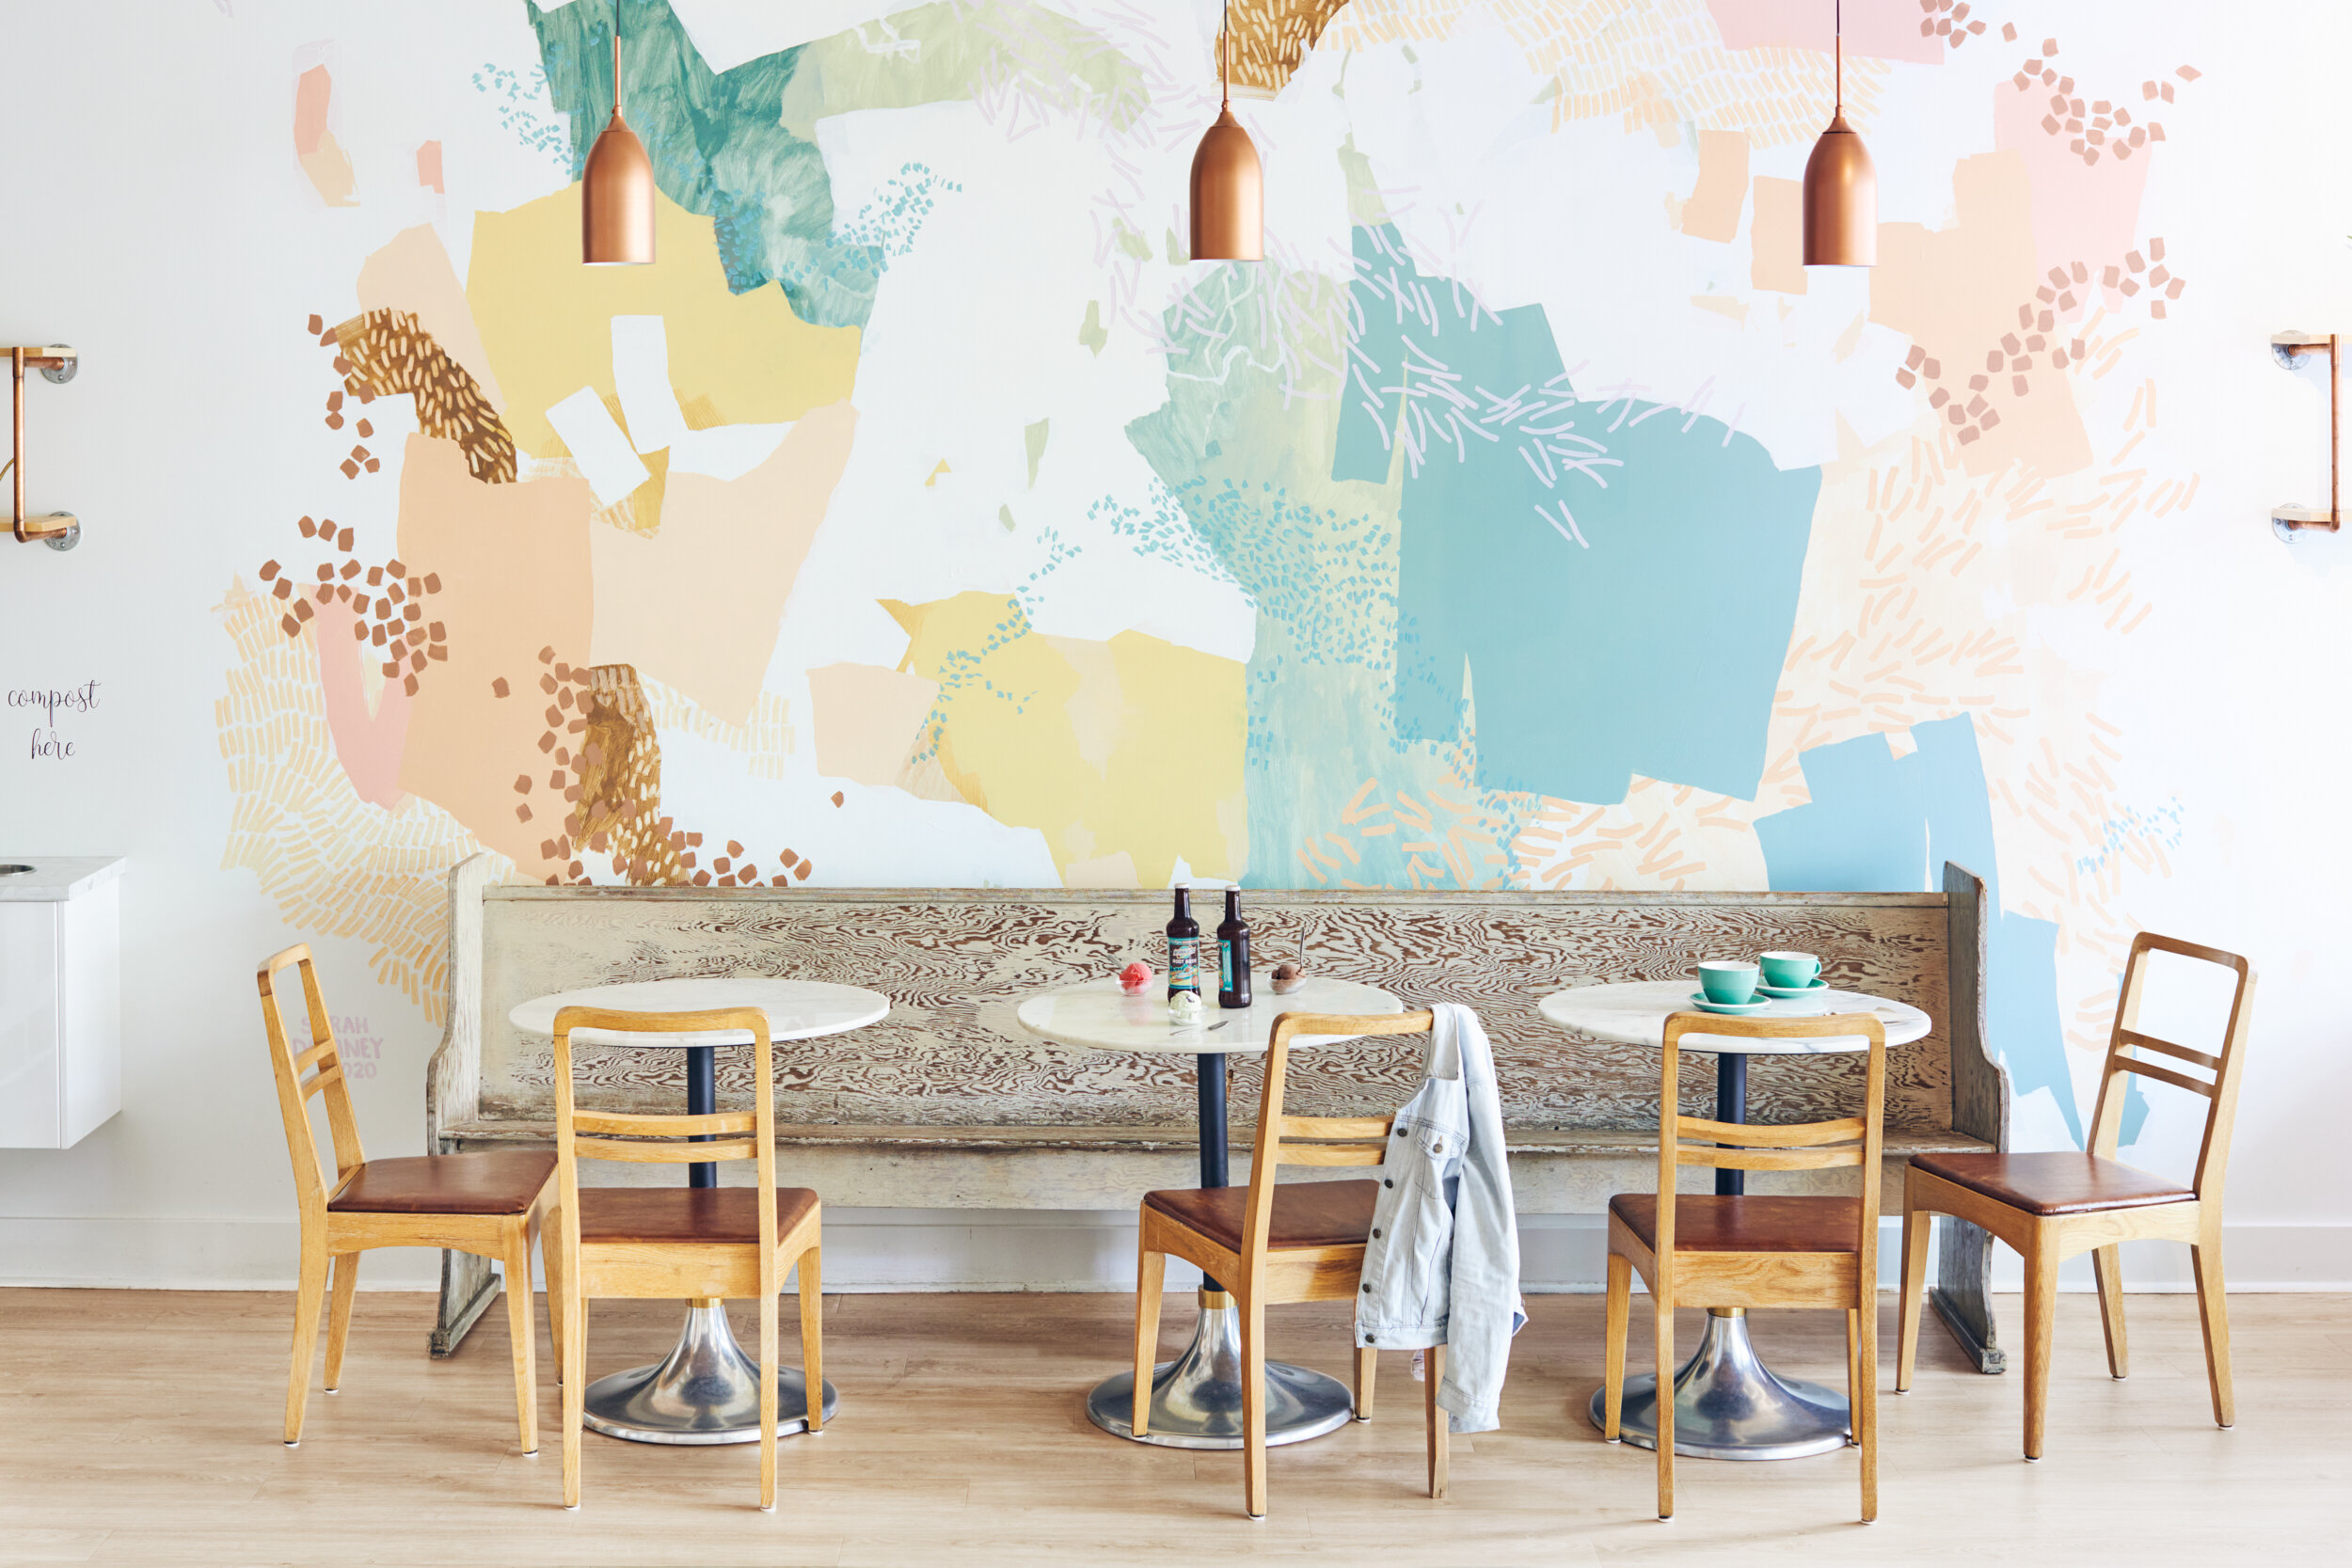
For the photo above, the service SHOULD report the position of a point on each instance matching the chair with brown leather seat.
(1743, 1251)
(707, 1242)
(2055, 1206)
(1272, 1244)
(487, 1204)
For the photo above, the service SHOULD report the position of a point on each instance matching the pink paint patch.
(313, 90)
(368, 745)
(2081, 212)
(1884, 31)
(429, 166)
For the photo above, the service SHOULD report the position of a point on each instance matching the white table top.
(1636, 1013)
(54, 879)
(1097, 1016)
(796, 1009)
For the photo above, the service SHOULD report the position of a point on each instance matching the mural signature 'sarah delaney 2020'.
(922, 516)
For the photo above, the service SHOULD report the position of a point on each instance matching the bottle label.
(1225, 965)
(1184, 964)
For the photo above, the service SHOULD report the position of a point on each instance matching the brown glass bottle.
(1183, 948)
(1232, 955)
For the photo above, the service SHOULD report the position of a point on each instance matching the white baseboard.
(986, 1249)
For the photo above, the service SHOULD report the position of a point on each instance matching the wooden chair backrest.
(1857, 1140)
(656, 1138)
(313, 1186)
(2220, 1090)
(1284, 1139)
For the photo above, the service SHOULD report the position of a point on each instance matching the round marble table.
(1196, 1399)
(1727, 1403)
(706, 1390)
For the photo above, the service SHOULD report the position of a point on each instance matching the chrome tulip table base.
(1196, 1399)
(1730, 1406)
(707, 1392)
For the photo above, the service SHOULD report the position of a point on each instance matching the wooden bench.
(947, 1103)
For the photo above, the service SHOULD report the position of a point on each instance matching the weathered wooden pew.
(947, 1104)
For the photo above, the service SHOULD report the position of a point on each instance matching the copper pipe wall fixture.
(59, 530)
(2287, 521)
(1842, 187)
(617, 188)
(1228, 184)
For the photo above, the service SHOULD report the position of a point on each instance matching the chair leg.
(1612, 1378)
(339, 1317)
(1918, 1227)
(310, 1302)
(2214, 1311)
(1151, 1281)
(1367, 1378)
(769, 1363)
(2106, 1263)
(1866, 1399)
(551, 1263)
(525, 1333)
(1441, 1439)
(2042, 1269)
(812, 1272)
(1253, 1408)
(1665, 1404)
(574, 1355)
(1853, 1376)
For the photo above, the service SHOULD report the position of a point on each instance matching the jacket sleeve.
(1486, 1309)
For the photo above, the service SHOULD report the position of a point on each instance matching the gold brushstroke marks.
(384, 352)
(1660, 835)
(1270, 36)
(332, 864)
(390, 601)
(1659, 64)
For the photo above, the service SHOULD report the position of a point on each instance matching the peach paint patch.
(2082, 212)
(867, 717)
(412, 272)
(698, 606)
(367, 744)
(1965, 296)
(429, 166)
(1714, 210)
(323, 161)
(1887, 30)
(1776, 236)
(514, 563)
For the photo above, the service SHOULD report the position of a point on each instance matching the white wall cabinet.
(60, 998)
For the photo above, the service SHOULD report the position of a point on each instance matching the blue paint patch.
(1880, 823)
(1616, 583)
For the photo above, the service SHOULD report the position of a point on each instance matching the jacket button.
(1368, 1339)
(1376, 1235)
(1387, 1182)
(1437, 1148)
(1367, 1288)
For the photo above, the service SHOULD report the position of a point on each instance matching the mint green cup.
(1790, 969)
(1727, 982)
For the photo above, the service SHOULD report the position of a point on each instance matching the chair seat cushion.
(1705, 1223)
(660, 1214)
(1306, 1213)
(501, 1183)
(2055, 1183)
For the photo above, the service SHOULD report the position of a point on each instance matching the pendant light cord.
(1839, 12)
(617, 60)
(1224, 56)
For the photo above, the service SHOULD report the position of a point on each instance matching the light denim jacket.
(1442, 1267)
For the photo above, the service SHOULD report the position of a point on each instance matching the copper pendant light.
(1841, 188)
(1228, 185)
(616, 191)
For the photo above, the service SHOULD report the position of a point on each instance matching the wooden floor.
(142, 1428)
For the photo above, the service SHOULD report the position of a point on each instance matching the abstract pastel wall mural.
(923, 516)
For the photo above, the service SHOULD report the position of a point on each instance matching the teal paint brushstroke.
(1617, 581)
(1880, 823)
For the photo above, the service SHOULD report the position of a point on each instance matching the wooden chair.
(1271, 1244)
(1748, 1251)
(707, 1242)
(2053, 1207)
(487, 1204)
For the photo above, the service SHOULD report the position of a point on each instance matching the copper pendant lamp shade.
(616, 191)
(1841, 189)
(1228, 185)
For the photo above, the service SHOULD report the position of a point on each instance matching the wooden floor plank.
(141, 1428)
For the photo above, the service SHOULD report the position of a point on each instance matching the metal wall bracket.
(59, 530)
(2286, 520)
